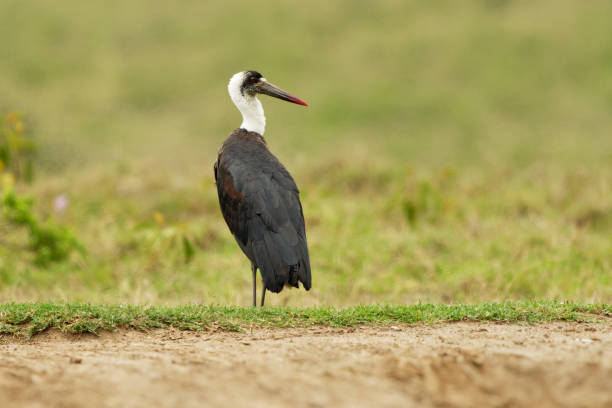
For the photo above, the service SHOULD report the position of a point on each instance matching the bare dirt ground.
(450, 365)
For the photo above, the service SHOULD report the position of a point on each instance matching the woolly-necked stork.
(258, 197)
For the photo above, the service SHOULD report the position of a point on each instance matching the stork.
(259, 200)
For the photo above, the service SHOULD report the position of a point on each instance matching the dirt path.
(451, 365)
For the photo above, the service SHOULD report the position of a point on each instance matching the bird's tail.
(280, 265)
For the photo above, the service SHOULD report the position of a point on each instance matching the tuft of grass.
(23, 320)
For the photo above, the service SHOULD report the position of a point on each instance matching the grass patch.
(27, 319)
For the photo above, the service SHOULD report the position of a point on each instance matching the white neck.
(253, 118)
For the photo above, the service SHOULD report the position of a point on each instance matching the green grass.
(396, 235)
(452, 152)
(27, 319)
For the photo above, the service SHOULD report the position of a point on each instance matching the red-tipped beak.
(272, 90)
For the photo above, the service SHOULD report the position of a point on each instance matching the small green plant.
(48, 242)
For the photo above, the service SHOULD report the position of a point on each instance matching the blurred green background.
(452, 151)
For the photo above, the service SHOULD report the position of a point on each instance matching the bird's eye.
(252, 80)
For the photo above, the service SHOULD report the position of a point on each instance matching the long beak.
(272, 90)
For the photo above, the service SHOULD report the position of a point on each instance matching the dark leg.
(254, 269)
(263, 295)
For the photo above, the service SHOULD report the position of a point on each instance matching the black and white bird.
(258, 197)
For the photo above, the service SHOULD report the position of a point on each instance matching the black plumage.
(261, 205)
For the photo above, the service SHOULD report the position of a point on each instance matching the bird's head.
(247, 84)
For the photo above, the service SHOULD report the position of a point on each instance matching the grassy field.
(27, 319)
(451, 153)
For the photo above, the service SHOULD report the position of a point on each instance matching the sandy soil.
(451, 365)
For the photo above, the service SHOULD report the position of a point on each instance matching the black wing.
(260, 203)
